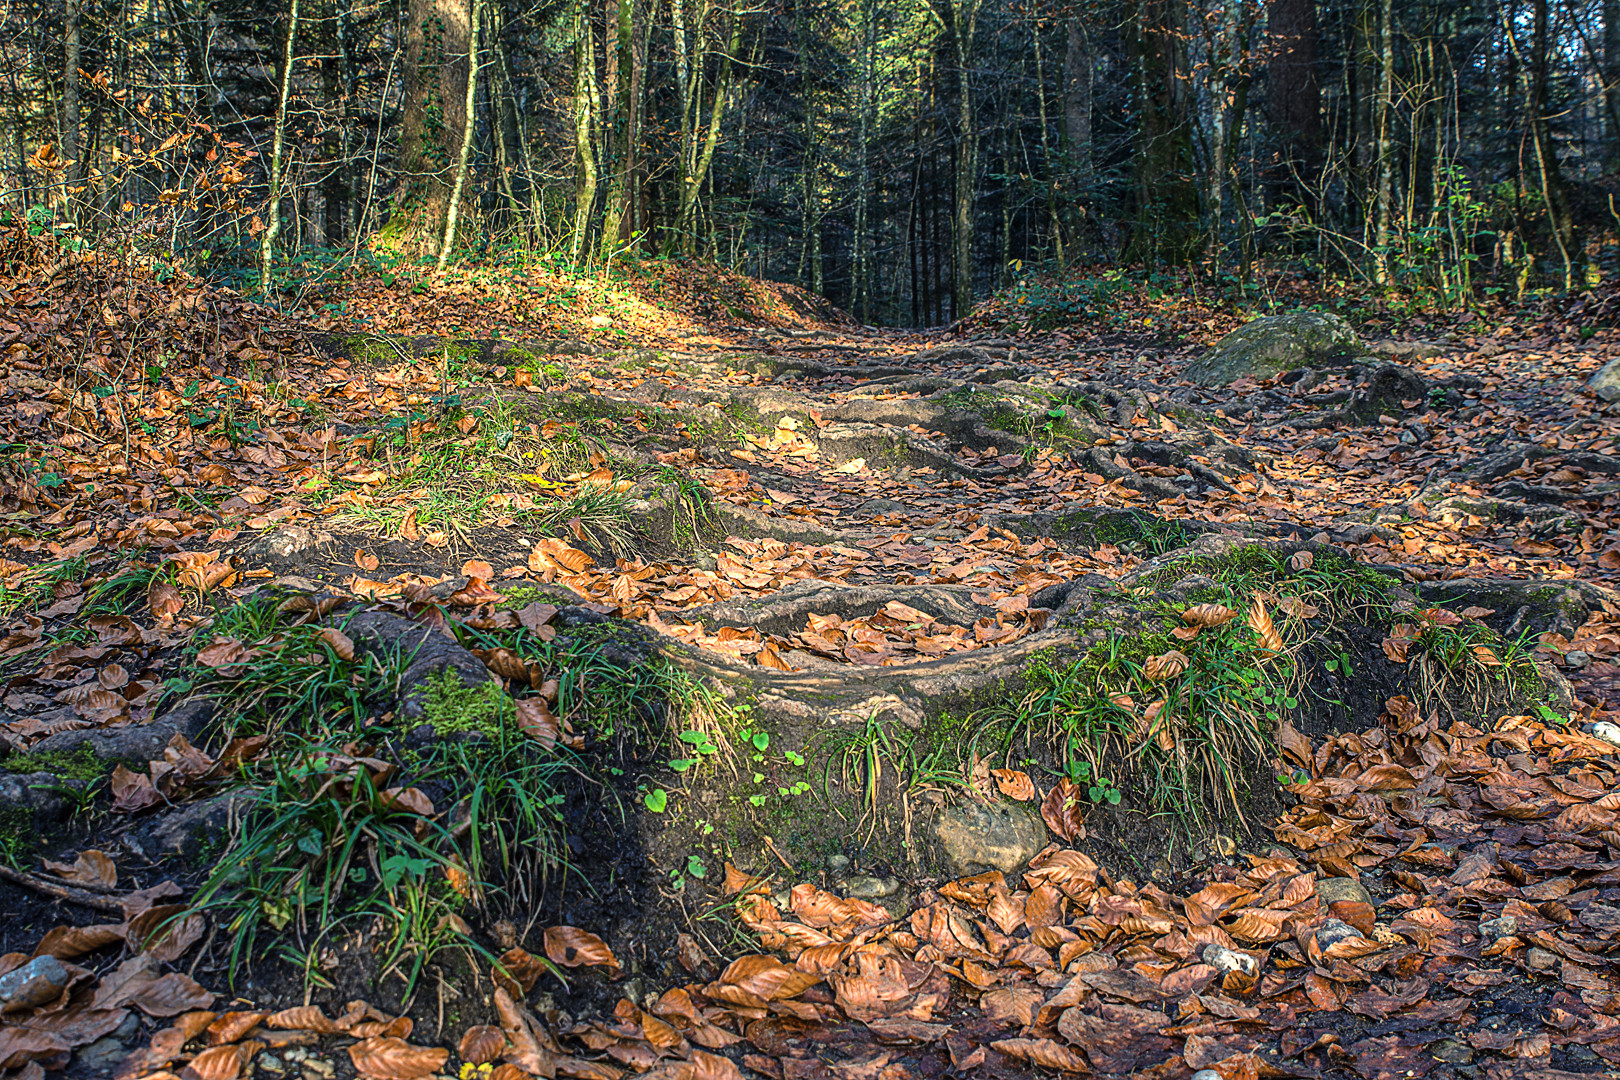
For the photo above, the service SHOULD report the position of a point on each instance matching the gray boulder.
(971, 837)
(1606, 383)
(1277, 343)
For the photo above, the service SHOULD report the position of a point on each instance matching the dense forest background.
(900, 157)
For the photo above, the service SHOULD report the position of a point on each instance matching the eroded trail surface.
(820, 702)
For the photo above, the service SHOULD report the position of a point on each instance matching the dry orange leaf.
(569, 946)
(382, 1057)
(1015, 784)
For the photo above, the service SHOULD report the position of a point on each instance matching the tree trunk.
(1386, 144)
(1051, 182)
(1294, 96)
(70, 104)
(1552, 179)
(435, 92)
(1166, 193)
(960, 19)
(272, 228)
(618, 213)
(469, 118)
(1078, 65)
(701, 156)
(1611, 80)
(584, 130)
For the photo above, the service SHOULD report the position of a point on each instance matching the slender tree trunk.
(863, 166)
(1552, 180)
(469, 118)
(960, 19)
(584, 128)
(703, 155)
(272, 228)
(1052, 181)
(1386, 142)
(70, 104)
(627, 110)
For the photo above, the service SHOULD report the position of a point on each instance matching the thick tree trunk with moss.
(1166, 228)
(435, 88)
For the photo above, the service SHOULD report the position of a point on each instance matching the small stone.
(1223, 960)
(1577, 659)
(1609, 733)
(101, 1056)
(36, 982)
(1334, 931)
(866, 887)
(1207, 1074)
(1452, 1052)
(1334, 889)
(601, 322)
(1540, 960)
(1496, 929)
(270, 1063)
(319, 1066)
(973, 837)
(838, 863)
(1223, 845)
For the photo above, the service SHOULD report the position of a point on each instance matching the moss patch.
(454, 708)
(80, 763)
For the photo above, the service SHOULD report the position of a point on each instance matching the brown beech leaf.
(1166, 665)
(523, 966)
(481, 1044)
(92, 867)
(219, 1062)
(534, 716)
(307, 1017)
(1301, 560)
(1063, 811)
(569, 946)
(1045, 1053)
(341, 644)
(384, 1058)
(164, 601)
(1210, 615)
(132, 792)
(1015, 784)
(1260, 622)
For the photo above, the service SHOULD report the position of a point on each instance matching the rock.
(867, 887)
(1277, 343)
(1606, 383)
(189, 828)
(1577, 659)
(1609, 733)
(1496, 929)
(1334, 931)
(134, 742)
(1207, 1074)
(1226, 960)
(286, 545)
(973, 837)
(882, 506)
(35, 794)
(1541, 961)
(1332, 890)
(1452, 1052)
(838, 863)
(40, 980)
(431, 654)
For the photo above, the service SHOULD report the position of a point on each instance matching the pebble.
(1541, 960)
(1223, 959)
(1609, 733)
(1207, 1074)
(1496, 929)
(1452, 1052)
(1577, 659)
(867, 887)
(270, 1063)
(319, 1067)
(838, 863)
(1334, 931)
(36, 982)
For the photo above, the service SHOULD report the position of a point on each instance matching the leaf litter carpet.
(1442, 900)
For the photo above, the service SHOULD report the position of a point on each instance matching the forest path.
(862, 526)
